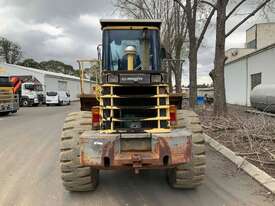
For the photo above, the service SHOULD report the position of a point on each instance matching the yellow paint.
(145, 119)
(130, 28)
(156, 130)
(128, 96)
(119, 85)
(2, 70)
(131, 62)
(6, 89)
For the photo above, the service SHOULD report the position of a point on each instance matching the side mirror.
(162, 53)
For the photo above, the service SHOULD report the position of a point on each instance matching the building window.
(256, 79)
(251, 44)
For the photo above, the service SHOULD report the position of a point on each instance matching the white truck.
(31, 94)
(29, 90)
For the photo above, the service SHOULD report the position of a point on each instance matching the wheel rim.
(25, 103)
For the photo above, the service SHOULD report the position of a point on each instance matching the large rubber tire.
(190, 175)
(74, 176)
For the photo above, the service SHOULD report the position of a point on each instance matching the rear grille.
(134, 108)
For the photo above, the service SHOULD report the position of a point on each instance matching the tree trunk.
(178, 64)
(220, 107)
(191, 11)
(193, 60)
(170, 77)
(178, 82)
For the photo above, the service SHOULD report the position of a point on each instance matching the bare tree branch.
(181, 5)
(248, 17)
(209, 3)
(206, 27)
(234, 9)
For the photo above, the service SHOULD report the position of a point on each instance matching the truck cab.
(31, 94)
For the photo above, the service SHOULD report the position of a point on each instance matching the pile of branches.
(250, 136)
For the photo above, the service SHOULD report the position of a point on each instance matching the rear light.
(96, 117)
(173, 115)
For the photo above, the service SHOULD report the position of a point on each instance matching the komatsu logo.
(135, 79)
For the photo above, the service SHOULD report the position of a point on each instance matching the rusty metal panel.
(135, 144)
(95, 147)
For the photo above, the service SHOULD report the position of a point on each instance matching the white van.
(57, 98)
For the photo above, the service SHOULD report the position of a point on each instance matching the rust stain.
(82, 158)
(177, 150)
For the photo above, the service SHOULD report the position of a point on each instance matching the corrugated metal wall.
(50, 81)
(71, 85)
(238, 75)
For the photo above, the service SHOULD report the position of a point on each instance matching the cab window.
(144, 42)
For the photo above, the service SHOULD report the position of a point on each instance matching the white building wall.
(235, 82)
(238, 75)
(50, 80)
(72, 85)
(262, 63)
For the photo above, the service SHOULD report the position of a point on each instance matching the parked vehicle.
(9, 101)
(57, 98)
(29, 90)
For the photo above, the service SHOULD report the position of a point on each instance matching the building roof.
(61, 75)
(130, 22)
(252, 53)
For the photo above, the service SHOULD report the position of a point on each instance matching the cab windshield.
(34, 87)
(144, 42)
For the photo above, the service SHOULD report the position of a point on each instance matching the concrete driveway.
(29, 172)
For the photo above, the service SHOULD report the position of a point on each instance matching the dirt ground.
(249, 135)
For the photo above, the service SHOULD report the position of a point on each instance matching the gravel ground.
(249, 135)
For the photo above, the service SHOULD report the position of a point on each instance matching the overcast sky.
(67, 30)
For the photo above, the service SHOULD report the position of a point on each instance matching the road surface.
(29, 172)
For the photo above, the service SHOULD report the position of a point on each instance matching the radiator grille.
(134, 108)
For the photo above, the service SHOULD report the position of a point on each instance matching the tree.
(192, 10)
(56, 66)
(10, 51)
(51, 65)
(173, 32)
(220, 107)
(30, 63)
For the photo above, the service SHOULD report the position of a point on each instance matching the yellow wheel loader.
(131, 121)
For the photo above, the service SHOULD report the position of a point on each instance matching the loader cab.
(134, 91)
(131, 46)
